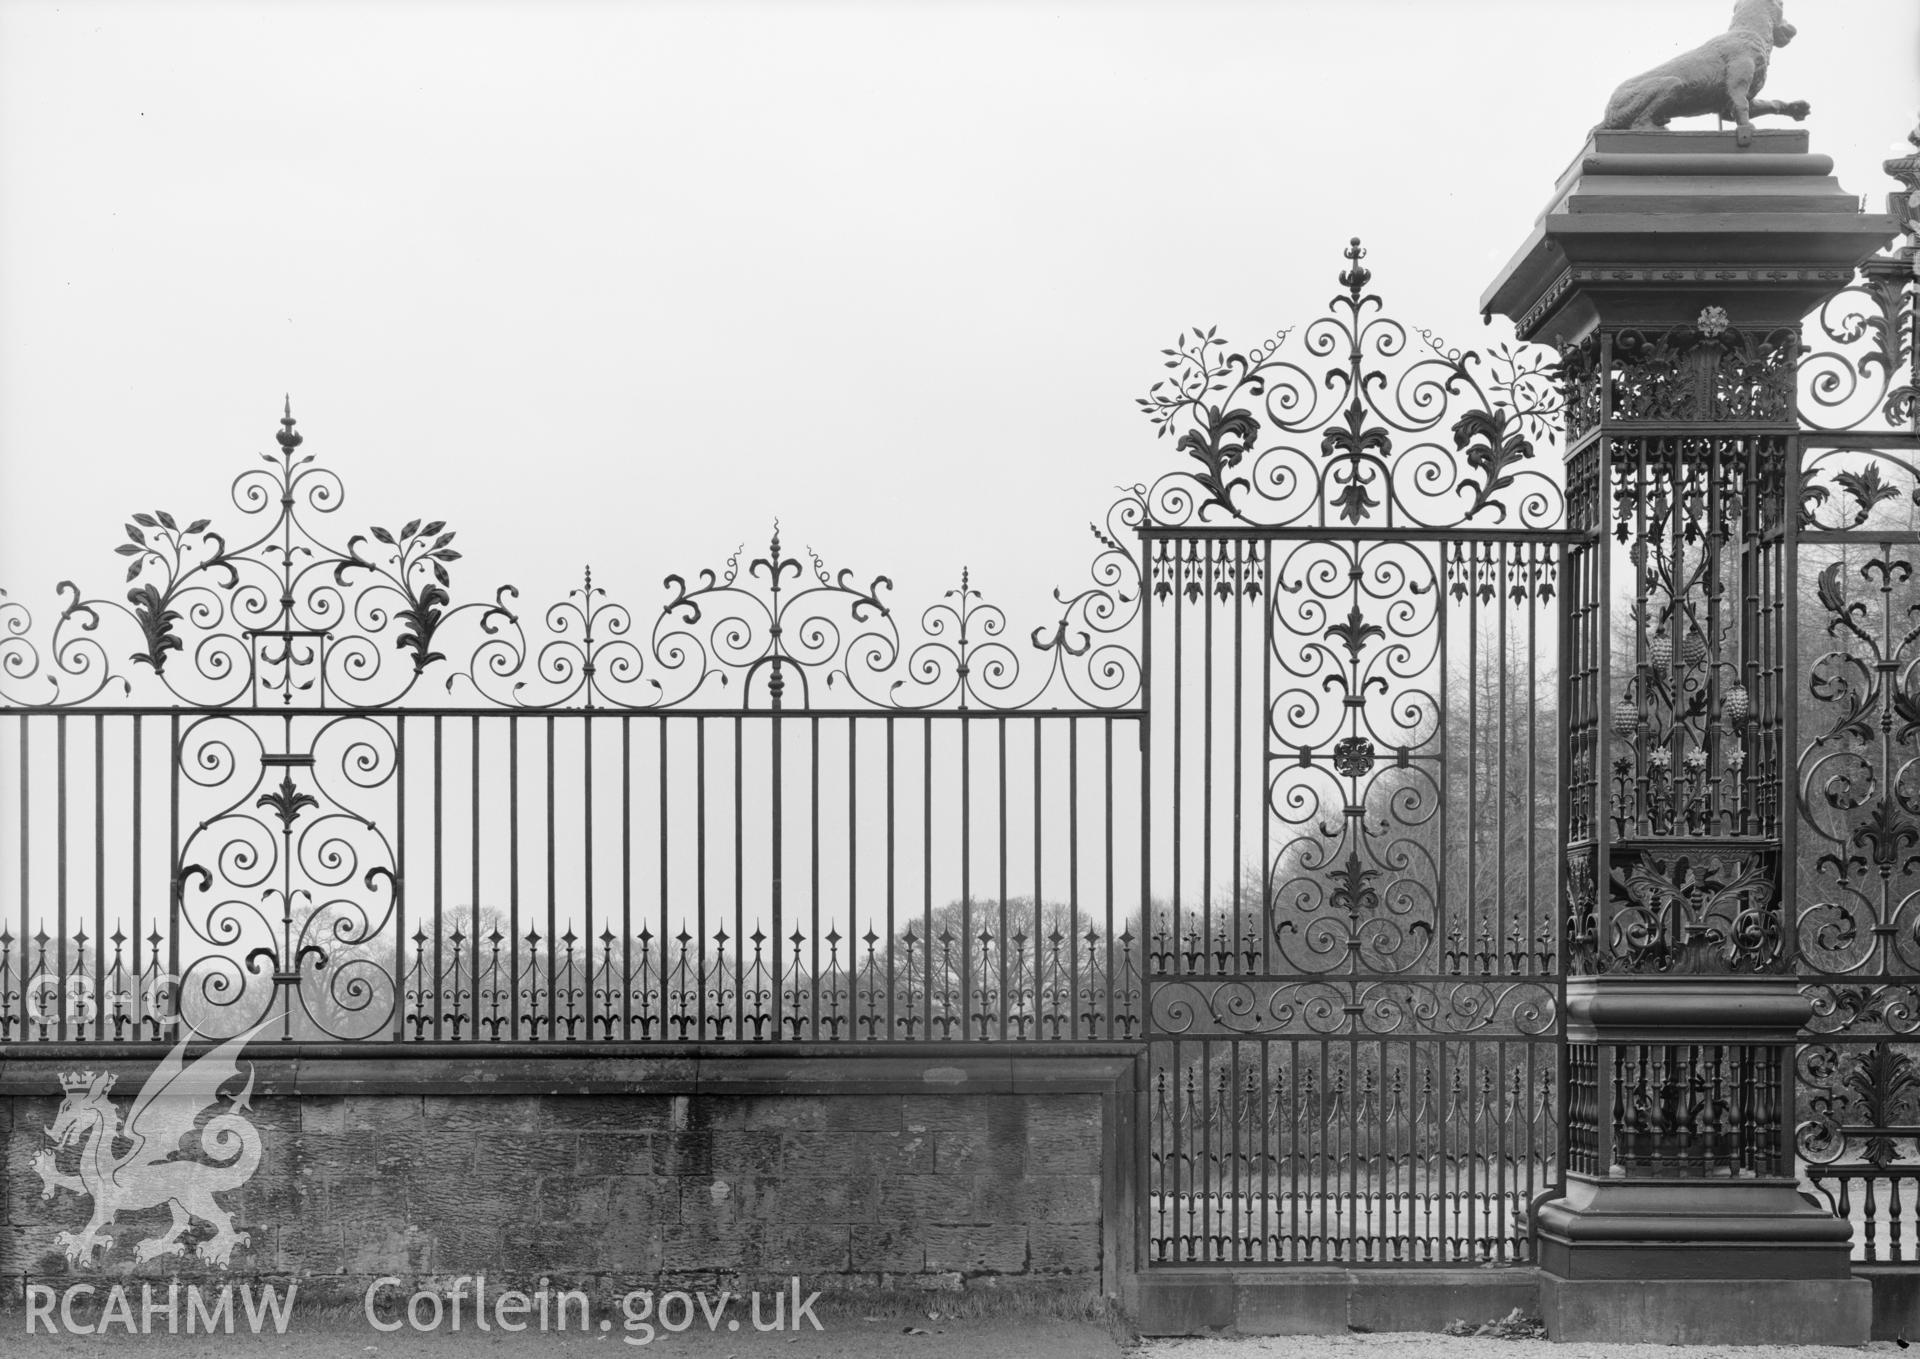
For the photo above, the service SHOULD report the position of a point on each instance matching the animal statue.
(1721, 76)
(144, 1175)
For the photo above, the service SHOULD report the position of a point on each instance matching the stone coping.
(619, 1068)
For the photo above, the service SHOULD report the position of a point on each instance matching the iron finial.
(288, 439)
(1355, 278)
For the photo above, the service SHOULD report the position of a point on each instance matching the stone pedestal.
(1648, 228)
(1672, 270)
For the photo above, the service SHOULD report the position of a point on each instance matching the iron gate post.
(1672, 270)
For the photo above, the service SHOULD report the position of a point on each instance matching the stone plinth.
(1648, 228)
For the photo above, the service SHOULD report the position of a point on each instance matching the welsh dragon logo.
(145, 1174)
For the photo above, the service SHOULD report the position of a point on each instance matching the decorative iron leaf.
(1868, 487)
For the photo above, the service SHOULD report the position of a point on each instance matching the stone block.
(896, 1153)
(465, 1247)
(805, 1248)
(436, 1199)
(874, 1113)
(1038, 1198)
(968, 1153)
(482, 1113)
(1708, 1311)
(927, 1198)
(724, 1204)
(760, 1113)
(327, 1153)
(631, 1248)
(1064, 1136)
(1896, 1299)
(389, 1250)
(615, 1154)
(976, 1248)
(309, 1245)
(824, 1198)
(945, 1113)
(534, 1248)
(692, 1248)
(1063, 1248)
(888, 1248)
(819, 1153)
(1290, 1303)
(1396, 1300)
(577, 1199)
(344, 1113)
(605, 1113)
(644, 1198)
(733, 1154)
(521, 1158)
(363, 1201)
(410, 1151)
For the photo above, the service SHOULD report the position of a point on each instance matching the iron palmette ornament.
(283, 617)
(1377, 462)
(287, 618)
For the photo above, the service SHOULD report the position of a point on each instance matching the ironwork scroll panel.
(1364, 1069)
(1857, 696)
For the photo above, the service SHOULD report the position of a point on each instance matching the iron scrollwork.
(1350, 444)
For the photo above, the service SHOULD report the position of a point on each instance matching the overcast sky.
(620, 283)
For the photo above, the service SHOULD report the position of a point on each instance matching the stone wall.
(614, 1169)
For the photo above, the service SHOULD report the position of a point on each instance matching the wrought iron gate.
(1352, 667)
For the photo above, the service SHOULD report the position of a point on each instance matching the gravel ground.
(1421, 1346)
(986, 1339)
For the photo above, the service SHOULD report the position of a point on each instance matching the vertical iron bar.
(99, 875)
(399, 876)
(439, 878)
(1000, 775)
(663, 945)
(1035, 1009)
(553, 893)
(60, 869)
(139, 827)
(926, 869)
(892, 933)
(778, 865)
(473, 880)
(1073, 880)
(587, 939)
(813, 871)
(702, 1019)
(966, 877)
(513, 872)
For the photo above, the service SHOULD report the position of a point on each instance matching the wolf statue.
(1720, 76)
(143, 1176)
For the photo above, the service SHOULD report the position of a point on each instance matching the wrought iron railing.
(292, 782)
(1856, 709)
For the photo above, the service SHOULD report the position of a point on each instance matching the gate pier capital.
(1672, 270)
